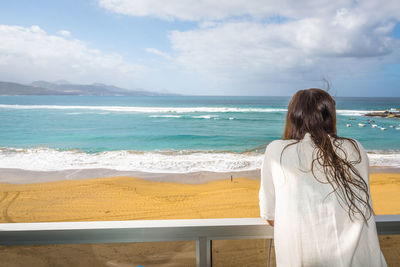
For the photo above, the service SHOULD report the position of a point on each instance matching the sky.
(208, 47)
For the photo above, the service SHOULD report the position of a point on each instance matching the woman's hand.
(270, 222)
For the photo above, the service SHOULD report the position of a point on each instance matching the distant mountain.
(62, 87)
(7, 88)
(92, 89)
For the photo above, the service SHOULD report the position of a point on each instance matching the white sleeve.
(267, 190)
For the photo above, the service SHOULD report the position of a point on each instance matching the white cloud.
(41, 56)
(246, 49)
(194, 10)
(65, 33)
(259, 41)
(158, 53)
(235, 43)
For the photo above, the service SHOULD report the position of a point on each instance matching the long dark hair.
(313, 111)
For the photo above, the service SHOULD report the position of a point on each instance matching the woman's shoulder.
(277, 146)
(353, 148)
(351, 143)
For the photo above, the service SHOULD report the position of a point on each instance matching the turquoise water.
(176, 125)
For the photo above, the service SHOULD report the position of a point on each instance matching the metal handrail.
(201, 230)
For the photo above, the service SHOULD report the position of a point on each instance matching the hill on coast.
(65, 88)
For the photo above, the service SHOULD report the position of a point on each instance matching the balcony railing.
(203, 231)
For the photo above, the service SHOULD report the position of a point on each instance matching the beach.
(83, 196)
(90, 158)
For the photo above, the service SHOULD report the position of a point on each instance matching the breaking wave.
(47, 159)
(139, 109)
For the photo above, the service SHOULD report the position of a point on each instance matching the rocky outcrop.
(384, 114)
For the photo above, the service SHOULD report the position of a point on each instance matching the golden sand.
(385, 193)
(126, 198)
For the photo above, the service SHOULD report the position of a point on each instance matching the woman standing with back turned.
(315, 190)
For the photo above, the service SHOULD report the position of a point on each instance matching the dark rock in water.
(384, 114)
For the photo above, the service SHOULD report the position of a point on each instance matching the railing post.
(203, 252)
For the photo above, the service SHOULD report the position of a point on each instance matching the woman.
(315, 189)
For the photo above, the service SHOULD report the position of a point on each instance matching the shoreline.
(174, 161)
(20, 176)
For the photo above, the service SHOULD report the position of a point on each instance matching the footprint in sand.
(5, 202)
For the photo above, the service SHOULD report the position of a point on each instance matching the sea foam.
(47, 159)
(384, 159)
(140, 109)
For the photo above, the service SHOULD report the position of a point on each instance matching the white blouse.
(311, 226)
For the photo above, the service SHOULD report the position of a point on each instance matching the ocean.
(174, 134)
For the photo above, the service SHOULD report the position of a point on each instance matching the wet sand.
(127, 198)
(19, 176)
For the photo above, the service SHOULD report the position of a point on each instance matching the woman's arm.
(267, 190)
